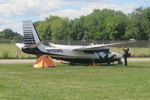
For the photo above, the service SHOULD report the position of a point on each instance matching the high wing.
(64, 46)
(99, 46)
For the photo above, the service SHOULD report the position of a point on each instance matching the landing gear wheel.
(71, 63)
(108, 63)
(119, 62)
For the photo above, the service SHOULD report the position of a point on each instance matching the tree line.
(103, 24)
(9, 35)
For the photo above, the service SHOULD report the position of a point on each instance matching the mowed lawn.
(11, 51)
(115, 82)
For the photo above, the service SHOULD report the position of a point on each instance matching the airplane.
(90, 54)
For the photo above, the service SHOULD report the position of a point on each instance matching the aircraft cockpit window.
(106, 50)
(96, 51)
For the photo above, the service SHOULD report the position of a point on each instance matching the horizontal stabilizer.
(19, 45)
(33, 45)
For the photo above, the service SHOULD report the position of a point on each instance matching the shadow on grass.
(113, 65)
(133, 66)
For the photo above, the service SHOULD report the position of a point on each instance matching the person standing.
(125, 55)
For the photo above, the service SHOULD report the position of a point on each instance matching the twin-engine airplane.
(74, 54)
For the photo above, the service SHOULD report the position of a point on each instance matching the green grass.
(13, 52)
(116, 82)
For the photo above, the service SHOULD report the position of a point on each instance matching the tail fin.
(30, 34)
(31, 38)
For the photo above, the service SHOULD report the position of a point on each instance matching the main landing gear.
(119, 62)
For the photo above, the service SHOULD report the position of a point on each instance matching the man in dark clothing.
(125, 55)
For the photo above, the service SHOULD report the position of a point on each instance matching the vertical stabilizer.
(30, 35)
(31, 38)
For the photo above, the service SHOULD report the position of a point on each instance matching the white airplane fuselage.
(67, 53)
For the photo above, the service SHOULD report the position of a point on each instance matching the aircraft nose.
(118, 56)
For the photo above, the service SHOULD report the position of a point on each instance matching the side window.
(107, 50)
(96, 51)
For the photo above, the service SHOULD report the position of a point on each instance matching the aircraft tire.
(120, 62)
(108, 63)
(71, 63)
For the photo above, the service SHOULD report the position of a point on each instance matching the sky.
(13, 12)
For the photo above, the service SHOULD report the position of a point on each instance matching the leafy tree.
(43, 29)
(145, 23)
(76, 31)
(58, 29)
(106, 24)
(138, 24)
(99, 25)
(52, 18)
(8, 34)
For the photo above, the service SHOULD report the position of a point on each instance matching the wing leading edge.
(99, 46)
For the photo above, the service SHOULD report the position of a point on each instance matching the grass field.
(11, 51)
(115, 82)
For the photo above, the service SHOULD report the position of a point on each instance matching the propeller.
(107, 58)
